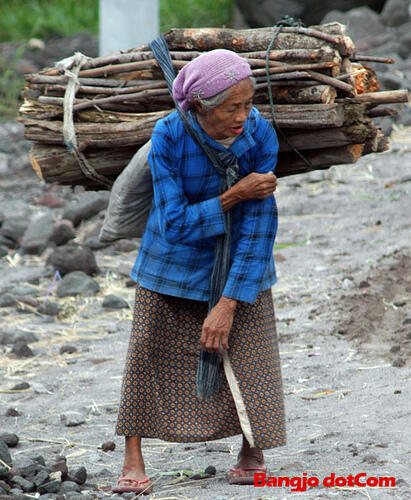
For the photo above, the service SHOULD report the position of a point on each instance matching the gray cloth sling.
(225, 162)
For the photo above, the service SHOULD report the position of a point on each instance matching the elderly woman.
(176, 259)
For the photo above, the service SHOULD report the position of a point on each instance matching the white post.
(125, 24)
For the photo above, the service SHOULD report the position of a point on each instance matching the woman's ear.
(198, 107)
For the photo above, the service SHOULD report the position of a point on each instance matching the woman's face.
(228, 118)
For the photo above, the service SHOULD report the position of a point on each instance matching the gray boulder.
(258, 13)
(5, 454)
(62, 233)
(7, 300)
(395, 12)
(115, 302)
(77, 283)
(362, 23)
(73, 257)
(36, 236)
(13, 228)
(91, 204)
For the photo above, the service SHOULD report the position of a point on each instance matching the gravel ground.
(344, 319)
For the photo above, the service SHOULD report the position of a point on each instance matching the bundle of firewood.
(325, 98)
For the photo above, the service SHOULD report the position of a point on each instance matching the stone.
(23, 290)
(27, 337)
(125, 246)
(398, 362)
(21, 386)
(41, 478)
(6, 337)
(14, 228)
(62, 232)
(72, 418)
(12, 440)
(68, 349)
(23, 274)
(114, 302)
(27, 467)
(79, 475)
(50, 487)
(16, 493)
(391, 81)
(50, 308)
(60, 465)
(77, 283)
(48, 496)
(56, 475)
(4, 250)
(4, 472)
(88, 207)
(395, 12)
(68, 486)
(12, 412)
(73, 257)
(36, 236)
(72, 495)
(4, 485)
(39, 388)
(7, 300)
(12, 335)
(211, 470)
(7, 242)
(24, 484)
(22, 350)
(5, 454)
(363, 23)
(108, 446)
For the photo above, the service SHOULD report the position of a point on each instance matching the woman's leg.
(133, 460)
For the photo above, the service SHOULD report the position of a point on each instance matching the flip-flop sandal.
(234, 477)
(143, 486)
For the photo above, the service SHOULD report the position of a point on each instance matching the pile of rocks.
(27, 476)
(60, 237)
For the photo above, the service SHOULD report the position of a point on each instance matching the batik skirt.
(158, 396)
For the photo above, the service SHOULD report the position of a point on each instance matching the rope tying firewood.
(71, 67)
(285, 21)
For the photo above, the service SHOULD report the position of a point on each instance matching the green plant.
(11, 83)
(24, 19)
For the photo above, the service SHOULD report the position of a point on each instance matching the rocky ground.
(344, 319)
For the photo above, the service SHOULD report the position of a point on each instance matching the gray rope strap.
(208, 379)
(71, 67)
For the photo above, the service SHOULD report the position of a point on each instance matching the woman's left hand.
(217, 325)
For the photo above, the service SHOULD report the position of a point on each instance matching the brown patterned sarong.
(158, 397)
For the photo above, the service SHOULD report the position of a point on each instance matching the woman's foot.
(134, 477)
(249, 461)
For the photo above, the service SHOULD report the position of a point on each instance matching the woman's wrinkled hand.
(217, 325)
(256, 185)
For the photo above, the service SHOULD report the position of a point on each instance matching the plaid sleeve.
(179, 221)
(257, 231)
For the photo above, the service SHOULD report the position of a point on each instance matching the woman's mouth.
(237, 130)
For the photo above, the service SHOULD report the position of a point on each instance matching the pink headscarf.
(208, 75)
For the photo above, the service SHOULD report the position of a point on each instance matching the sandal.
(144, 486)
(234, 475)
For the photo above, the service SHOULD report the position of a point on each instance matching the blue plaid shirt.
(177, 249)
